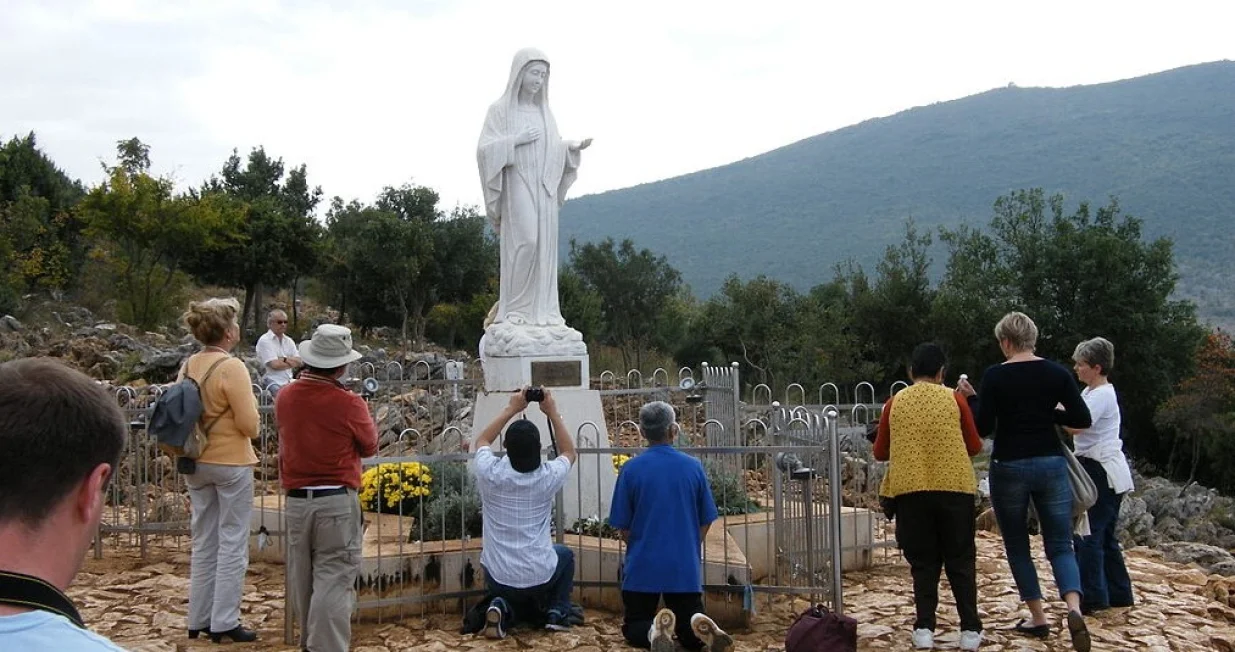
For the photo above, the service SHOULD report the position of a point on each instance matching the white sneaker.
(923, 639)
(971, 640)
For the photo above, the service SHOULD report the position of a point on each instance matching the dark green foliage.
(144, 233)
(451, 515)
(41, 243)
(1161, 143)
(1077, 275)
(728, 489)
(393, 261)
(581, 305)
(451, 477)
(635, 289)
(452, 508)
(277, 241)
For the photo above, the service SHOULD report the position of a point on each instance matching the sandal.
(1079, 632)
(1036, 631)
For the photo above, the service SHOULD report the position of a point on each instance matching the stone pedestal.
(590, 484)
(506, 374)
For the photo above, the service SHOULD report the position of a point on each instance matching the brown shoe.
(714, 638)
(661, 633)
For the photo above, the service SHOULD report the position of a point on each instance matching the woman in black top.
(1018, 407)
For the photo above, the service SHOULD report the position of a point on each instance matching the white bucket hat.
(330, 347)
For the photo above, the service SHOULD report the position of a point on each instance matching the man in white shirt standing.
(530, 577)
(277, 353)
(61, 437)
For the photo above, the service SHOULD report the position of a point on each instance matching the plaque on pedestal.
(562, 371)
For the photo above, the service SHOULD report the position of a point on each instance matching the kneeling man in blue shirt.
(663, 507)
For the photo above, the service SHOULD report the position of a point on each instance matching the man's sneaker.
(923, 639)
(970, 640)
(495, 617)
(661, 633)
(557, 622)
(714, 638)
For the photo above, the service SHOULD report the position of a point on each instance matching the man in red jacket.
(324, 431)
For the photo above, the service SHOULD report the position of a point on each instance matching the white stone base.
(506, 374)
(580, 409)
(507, 339)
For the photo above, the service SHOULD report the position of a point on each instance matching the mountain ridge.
(1163, 144)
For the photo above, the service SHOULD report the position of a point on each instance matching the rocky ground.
(141, 605)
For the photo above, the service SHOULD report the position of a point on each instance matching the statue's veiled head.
(534, 77)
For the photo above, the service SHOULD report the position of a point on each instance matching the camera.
(534, 394)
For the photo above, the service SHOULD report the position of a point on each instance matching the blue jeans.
(1103, 573)
(1045, 481)
(534, 603)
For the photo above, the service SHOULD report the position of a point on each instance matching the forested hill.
(1164, 144)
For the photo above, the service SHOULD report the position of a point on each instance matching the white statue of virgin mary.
(525, 170)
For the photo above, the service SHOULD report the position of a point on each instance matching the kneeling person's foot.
(661, 633)
(923, 639)
(495, 619)
(557, 622)
(714, 638)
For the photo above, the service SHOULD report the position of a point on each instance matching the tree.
(381, 260)
(465, 262)
(41, 247)
(277, 241)
(144, 231)
(894, 315)
(394, 261)
(1202, 410)
(752, 323)
(1079, 275)
(635, 287)
(581, 305)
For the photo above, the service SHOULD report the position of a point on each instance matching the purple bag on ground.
(820, 630)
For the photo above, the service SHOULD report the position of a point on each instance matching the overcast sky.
(370, 94)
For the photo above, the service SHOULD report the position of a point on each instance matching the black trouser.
(641, 611)
(935, 530)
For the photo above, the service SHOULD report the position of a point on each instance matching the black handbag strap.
(20, 590)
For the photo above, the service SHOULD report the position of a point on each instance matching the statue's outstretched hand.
(581, 145)
(529, 134)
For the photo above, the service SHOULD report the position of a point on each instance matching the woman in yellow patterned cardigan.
(927, 433)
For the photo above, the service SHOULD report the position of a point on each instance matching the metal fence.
(778, 472)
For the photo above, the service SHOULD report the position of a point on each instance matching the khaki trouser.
(323, 560)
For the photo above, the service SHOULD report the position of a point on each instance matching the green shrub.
(452, 515)
(728, 489)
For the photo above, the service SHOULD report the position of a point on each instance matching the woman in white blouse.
(1104, 577)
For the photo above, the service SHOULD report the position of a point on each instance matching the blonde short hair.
(209, 320)
(1019, 330)
(1097, 352)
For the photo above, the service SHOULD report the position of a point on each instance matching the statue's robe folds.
(524, 188)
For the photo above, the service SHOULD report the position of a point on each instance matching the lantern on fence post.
(454, 373)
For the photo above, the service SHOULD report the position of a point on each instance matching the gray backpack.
(175, 419)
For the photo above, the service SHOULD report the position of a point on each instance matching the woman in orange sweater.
(927, 433)
(221, 488)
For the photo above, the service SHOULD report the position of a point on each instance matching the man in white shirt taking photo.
(530, 578)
